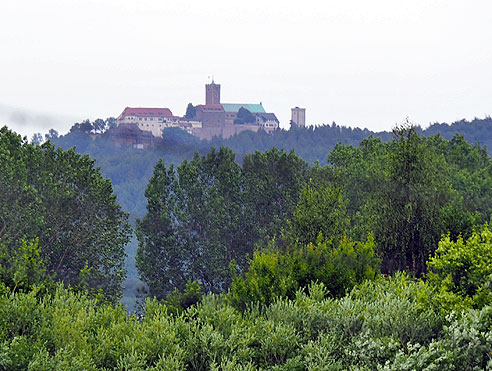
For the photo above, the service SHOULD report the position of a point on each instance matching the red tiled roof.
(147, 112)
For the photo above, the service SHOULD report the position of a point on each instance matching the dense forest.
(130, 169)
(310, 249)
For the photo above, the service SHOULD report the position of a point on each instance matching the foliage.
(59, 197)
(405, 213)
(178, 301)
(23, 268)
(85, 126)
(210, 212)
(37, 139)
(391, 323)
(273, 182)
(193, 226)
(318, 211)
(190, 111)
(244, 116)
(411, 191)
(52, 134)
(362, 168)
(338, 265)
(463, 270)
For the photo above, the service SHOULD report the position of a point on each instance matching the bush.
(274, 274)
(463, 270)
(178, 301)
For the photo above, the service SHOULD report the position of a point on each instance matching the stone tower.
(212, 93)
(299, 116)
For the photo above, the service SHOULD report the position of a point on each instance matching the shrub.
(274, 274)
(463, 270)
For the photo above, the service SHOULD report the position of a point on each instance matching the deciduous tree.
(59, 197)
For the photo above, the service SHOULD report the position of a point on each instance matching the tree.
(37, 139)
(339, 266)
(22, 268)
(160, 259)
(244, 116)
(190, 111)
(111, 123)
(207, 216)
(194, 225)
(52, 134)
(273, 181)
(86, 126)
(59, 197)
(99, 125)
(405, 213)
(464, 268)
(319, 211)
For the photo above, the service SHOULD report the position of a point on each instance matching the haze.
(358, 63)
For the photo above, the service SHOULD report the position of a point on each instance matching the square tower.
(299, 116)
(212, 93)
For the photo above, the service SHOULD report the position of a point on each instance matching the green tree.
(59, 197)
(405, 214)
(273, 182)
(37, 139)
(190, 111)
(194, 225)
(320, 210)
(464, 268)
(161, 261)
(244, 116)
(411, 190)
(22, 268)
(52, 134)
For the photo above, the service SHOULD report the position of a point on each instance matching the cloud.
(27, 122)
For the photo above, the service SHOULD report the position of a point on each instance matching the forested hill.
(130, 169)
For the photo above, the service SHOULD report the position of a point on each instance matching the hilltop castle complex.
(212, 119)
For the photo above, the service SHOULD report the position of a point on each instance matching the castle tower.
(212, 93)
(298, 116)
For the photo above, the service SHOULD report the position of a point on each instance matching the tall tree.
(59, 197)
(209, 212)
(244, 116)
(193, 227)
(321, 211)
(273, 181)
(405, 213)
(190, 111)
(52, 134)
(99, 125)
(160, 259)
(111, 122)
(37, 139)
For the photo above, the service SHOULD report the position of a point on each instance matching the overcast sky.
(359, 63)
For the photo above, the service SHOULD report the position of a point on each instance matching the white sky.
(358, 63)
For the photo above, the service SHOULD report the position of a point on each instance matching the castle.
(212, 119)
